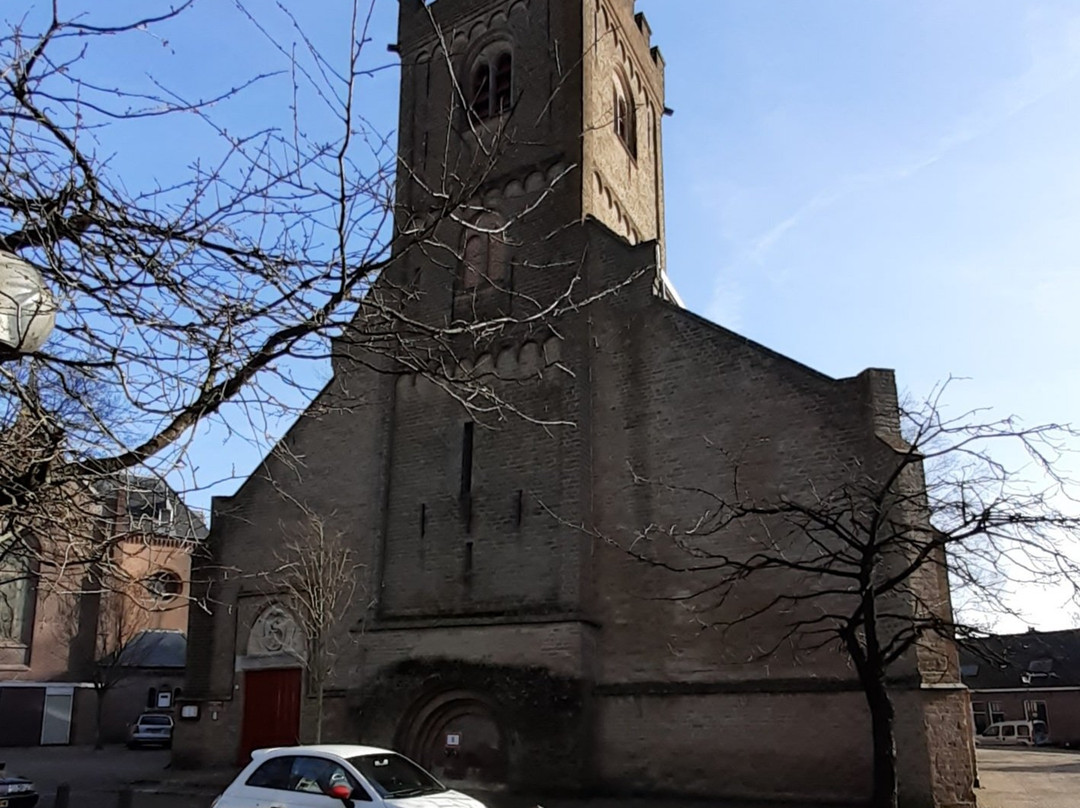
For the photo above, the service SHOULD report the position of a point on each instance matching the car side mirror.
(341, 792)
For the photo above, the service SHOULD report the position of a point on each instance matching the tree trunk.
(882, 727)
(318, 711)
(870, 665)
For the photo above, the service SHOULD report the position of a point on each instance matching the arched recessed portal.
(456, 735)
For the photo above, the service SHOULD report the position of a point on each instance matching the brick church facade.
(496, 636)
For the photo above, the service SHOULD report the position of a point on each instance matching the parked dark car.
(151, 729)
(16, 792)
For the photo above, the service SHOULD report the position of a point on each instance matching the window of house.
(997, 713)
(17, 593)
(625, 116)
(1035, 711)
(1041, 666)
(978, 712)
(491, 83)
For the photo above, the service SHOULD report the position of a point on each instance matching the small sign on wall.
(164, 699)
(190, 712)
(453, 739)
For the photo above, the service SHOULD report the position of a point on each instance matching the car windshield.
(395, 776)
(155, 721)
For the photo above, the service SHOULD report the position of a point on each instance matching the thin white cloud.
(1055, 64)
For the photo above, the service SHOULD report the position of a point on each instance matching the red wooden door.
(271, 710)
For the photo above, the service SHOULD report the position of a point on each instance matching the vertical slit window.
(468, 558)
(504, 72)
(518, 508)
(466, 473)
(423, 519)
(625, 123)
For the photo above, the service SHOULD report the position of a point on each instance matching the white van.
(1015, 733)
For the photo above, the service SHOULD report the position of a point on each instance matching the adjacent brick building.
(1034, 676)
(56, 621)
(498, 637)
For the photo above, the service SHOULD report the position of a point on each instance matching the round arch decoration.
(456, 735)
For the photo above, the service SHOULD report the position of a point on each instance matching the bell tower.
(505, 102)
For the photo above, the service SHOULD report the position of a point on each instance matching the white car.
(331, 776)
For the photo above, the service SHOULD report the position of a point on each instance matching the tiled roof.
(155, 649)
(1034, 659)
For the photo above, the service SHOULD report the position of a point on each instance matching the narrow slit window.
(468, 558)
(423, 519)
(465, 497)
(504, 72)
(624, 115)
(466, 458)
(519, 510)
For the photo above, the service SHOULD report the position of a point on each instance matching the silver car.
(151, 729)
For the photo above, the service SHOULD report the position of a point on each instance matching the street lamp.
(27, 308)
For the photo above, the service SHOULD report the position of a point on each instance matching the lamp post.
(27, 308)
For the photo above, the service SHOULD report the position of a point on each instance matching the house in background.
(149, 677)
(1030, 676)
(57, 627)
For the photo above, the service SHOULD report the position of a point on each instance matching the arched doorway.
(456, 736)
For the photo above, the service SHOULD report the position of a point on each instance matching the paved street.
(1024, 778)
(95, 777)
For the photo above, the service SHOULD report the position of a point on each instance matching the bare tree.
(198, 291)
(862, 566)
(319, 577)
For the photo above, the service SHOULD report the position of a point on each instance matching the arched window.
(484, 254)
(477, 252)
(625, 115)
(17, 593)
(491, 83)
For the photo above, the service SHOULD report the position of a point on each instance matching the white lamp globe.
(27, 307)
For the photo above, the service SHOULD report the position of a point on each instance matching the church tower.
(505, 103)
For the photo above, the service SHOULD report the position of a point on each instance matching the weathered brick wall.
(674, 393)
(736, 746)
(559, 647)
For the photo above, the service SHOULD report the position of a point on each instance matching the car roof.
(340, 750)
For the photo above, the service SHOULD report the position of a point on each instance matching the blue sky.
(854, 183)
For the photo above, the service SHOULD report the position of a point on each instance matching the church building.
(504, 632)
